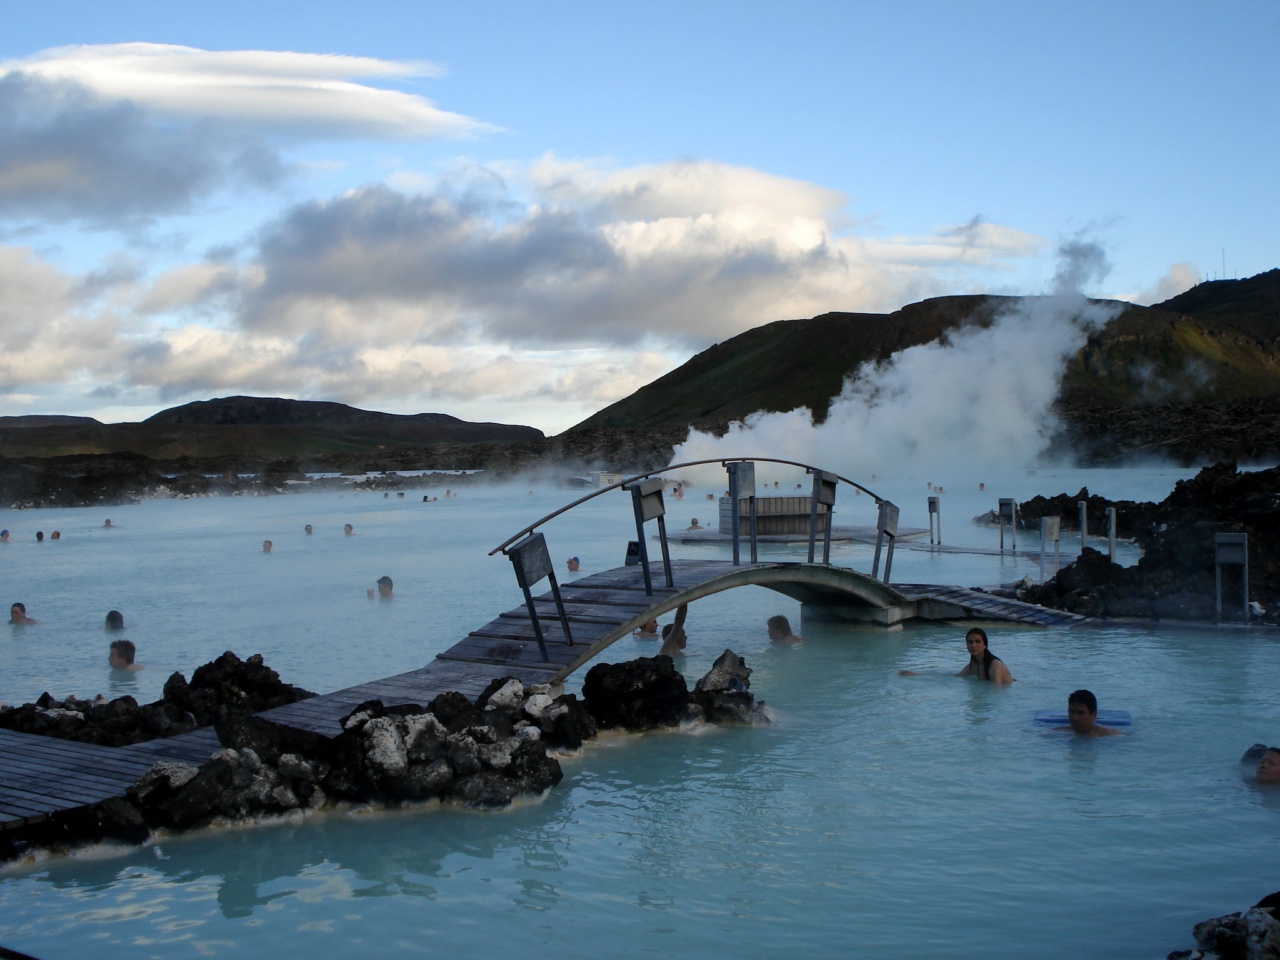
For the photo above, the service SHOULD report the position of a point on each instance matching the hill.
(1196, 376)
(251, 429)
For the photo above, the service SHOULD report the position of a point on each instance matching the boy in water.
(121, 656)
(18, 614)
(1082, 715)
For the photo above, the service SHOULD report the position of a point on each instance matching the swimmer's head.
(121, 654)
(307, 529)
(778, 627)
(384, 586)
(348, 529)
(1269, 766)
(4, 534)
(115, 620)
(266, 546)
(975, 641)
(1082, 711)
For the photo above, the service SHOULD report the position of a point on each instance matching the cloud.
(570, 254)
(1180, 278)
(303, 94)
(69, 155)
(557, 284)
(112, 135)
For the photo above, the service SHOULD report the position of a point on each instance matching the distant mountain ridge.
(276, 411)
(251, 429)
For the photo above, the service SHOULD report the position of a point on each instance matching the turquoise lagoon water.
(892, 816)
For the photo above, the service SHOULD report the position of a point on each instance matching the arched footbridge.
(558, 630)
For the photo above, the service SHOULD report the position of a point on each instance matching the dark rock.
(723, 694)
(567, 723)
(1253, 935)
(239, 729)
(197, 800)
(456, 712)
(638, 695)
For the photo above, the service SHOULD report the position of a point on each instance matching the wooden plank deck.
(41, 775)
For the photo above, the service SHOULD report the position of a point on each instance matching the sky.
(522, 212)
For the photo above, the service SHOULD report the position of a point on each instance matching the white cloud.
(1180, 278)
(307, 94)
(563, 284)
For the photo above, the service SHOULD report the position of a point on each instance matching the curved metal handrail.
(676, 466)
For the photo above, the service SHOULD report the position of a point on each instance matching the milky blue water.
(894, 816)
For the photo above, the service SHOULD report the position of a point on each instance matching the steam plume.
(976, 401)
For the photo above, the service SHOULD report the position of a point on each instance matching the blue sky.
(521, 212)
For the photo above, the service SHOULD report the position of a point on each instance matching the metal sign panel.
(531, 559)
(744, 472)
(649, 495)
(1007, 506)
(1231, 548)
(888, 520)
(1050, 528)
(824, 488)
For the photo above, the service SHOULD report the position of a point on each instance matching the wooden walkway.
(40, 775)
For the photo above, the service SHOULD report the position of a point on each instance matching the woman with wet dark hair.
(983, 664)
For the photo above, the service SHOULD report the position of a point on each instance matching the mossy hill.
(1197, 376)
(253, 428)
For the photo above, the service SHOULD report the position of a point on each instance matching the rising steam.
(976, 401)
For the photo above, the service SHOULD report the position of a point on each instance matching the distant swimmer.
(573, 564)
(673, 636)
(648, 630)
(266, 546)
(107, 522)
(694, 525)
(349, 530)
(4, 536)
(18, 614)
(39, 536)
(982, 664)
(1268, 772)
(115, 620)
(307, 530)
(1082, 715)
(779, 629)
(121, 654)
(56, 535)
(711, 496)
(384, 589)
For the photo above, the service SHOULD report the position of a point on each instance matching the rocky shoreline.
(108, 479)
(1175, 578)
(482, 754)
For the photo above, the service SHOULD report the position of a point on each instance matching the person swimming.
(385, 586)
(1268, 772)
(1082, 716)
(121, 654)
(673, 636)
(983, 664)
(647, 630)
(115, 620)
(779, 629)
(18, 614)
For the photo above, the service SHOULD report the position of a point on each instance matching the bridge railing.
(648, 505)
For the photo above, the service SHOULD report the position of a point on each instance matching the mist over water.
(975, 402)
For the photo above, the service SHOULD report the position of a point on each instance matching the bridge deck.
(41, 775)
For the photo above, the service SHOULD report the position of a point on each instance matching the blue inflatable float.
(1108, 718)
